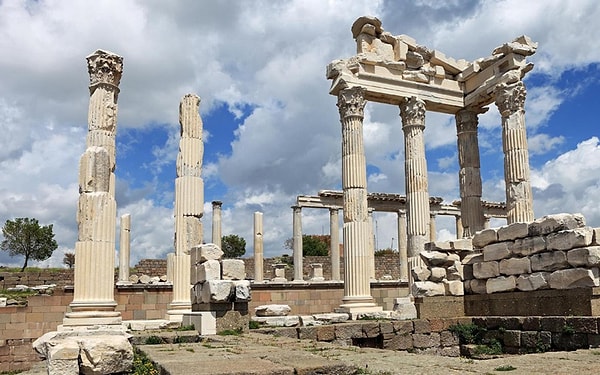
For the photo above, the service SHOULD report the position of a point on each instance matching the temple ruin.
(396, 70)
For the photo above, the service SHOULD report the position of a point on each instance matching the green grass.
(142, 365)
(186, 328)
(153, 340)
(231, 332)
(505, 368)
(254, 325)
(468, 333)
(17, 294)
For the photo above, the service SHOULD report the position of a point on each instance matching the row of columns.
(420, 227)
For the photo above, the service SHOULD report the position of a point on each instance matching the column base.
(89, 314)
(357, 305)
(177, 310)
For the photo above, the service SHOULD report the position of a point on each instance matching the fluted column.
(471, 209)
(189, 203)
(334, 237)
(432, 229)
(459, 228)
(412, 111)
(356, 232)
(510, 100)
(402, 245)
(258, 247)
(372, 245)
(216, 222)
(93, 295)
(124, 248)
(297, 243)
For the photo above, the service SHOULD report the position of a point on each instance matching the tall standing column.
(93, 295)
(297, 243)
(189, 203)
(334, 237)
(258, 247)
(459, 228)
(510, 100)
(372, 245)
(124, 248)
(412, 111)
(471, 209)
(356, 231)
(216, 222)
(402, 245)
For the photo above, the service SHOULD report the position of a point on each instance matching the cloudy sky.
(272, 131)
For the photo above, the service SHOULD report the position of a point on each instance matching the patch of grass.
(468, 333)
(153, 340)
(186, 328)
(505, 368)
(191, 350)
(11, 372)
(14, 294)
(493, 347)
(568, 329)
(142, 365)
(595, 352)
(231, 332)
(254, 325)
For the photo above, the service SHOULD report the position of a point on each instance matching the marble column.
(124, 249)
(471, 209)
(486, 222)
(459, 228)
(297, 243)
(510, 100)
(258, 247)
(334, 237)
(189, 204)
(94, 279)
(357, 294)
(432, 229)
(412, 111)
(402, 245)
(216, 222)
(371, 247)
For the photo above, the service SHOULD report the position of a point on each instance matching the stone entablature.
(393, 67)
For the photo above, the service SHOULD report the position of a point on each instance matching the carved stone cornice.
(412, 111)
(104, 67)
(510, 98)
(351, 102)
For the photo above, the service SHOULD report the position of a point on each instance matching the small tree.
(25, 236)
(69, 260)
(233, 246)
(315, 245)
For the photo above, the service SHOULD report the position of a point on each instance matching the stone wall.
(433, 336)
(60, 278)
(554, 252)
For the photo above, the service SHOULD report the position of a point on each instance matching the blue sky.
(271, 129)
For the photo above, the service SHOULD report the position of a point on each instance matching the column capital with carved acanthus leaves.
(104, 68)
(351, 102)
(510, 98)
(412, 111)
(467, 119)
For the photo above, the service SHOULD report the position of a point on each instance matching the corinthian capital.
(351, 102)
(412, 111)
(510, 98)
(105, 67)
(467, 119)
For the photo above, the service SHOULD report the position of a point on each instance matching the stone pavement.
(259, 354)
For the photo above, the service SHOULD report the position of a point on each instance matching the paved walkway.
(258, 354)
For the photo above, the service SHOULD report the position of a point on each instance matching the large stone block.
(428, 289)
(513, 231)
(420, 273)
(501, 284)
(485, 270)
(596, 239)
(534, 281)
(549, 261)
(472, 258)
(477, 286)
(528, 246)
(242, 290)
(456, 271)
(217, 291)
(515, 266)
(570, 239)
(555, 223)
(454, 288)
(438, 259)
(574, 278)
(209, 270)
(437, 274)
(272, 310)
(204, 252)
(233, 269)
(584, 256)
(496, 251)
(462, 244)
(484, 238)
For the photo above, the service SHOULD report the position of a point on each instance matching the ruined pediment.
(394, 67)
